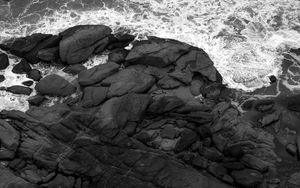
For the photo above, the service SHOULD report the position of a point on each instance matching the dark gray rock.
(27, 83)
(22, 67)
(9, 136)
(93, 96)
(200, 162)
(54, 85)
(97, 73)
(74, 69)
(165, 104)
(255, 163)
(19, 90)
(4, 62)
(118, 56)
(128, 81)
(211, 153)
(188, 137)
(49, 54)
(247, 178)
(35, 75)
(2, 78)
(80, 42)
(36, 100)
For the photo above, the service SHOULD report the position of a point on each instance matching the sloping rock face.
(135, 124)
(80, 42)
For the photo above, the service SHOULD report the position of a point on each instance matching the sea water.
(247, 40)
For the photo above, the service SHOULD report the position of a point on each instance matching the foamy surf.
(245, 39)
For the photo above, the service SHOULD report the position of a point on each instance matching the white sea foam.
(245, 39)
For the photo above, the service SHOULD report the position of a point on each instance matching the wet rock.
(22, 67)
(35, 75)
(74, 69)
(54, 85)
(255, 163)
(93, 96)
(19, 90)
(219, 141)
(247, 105)
(128, 81)
(118, 56)
(165, 104)
(293, 103)
(97, 73)
(204, 132)
(200, 162)
(220, 172)
(36, 100)
(291, 149)
(211, 153)
(9, 136)
(234, 151)
(169, 132)
(273, 79)
(264, 106)
(49, 54)
(247, 177)
(4, 62)
(2, 78)
(27, 83)
(213, 91)
(199, 62)
(80, 42)
(184, 76)
(156, 52)
(119, 41)
(188, 137)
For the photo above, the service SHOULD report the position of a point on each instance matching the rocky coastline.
(155, 115)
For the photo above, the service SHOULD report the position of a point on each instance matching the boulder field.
(157, 115)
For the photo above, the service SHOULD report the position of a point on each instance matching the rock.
(36, 100)
(120, 41)
(269, 118)
(29, 46)
(199, 62)
(219, 141)
(213, 91)
(184, 76)
(93, 96)
(130, 128)
(62, 181)
(293, 103)
(80, 42)
(196, 86)
(9, 136)
(298, 145)
(169, 132)
(22, 68)
(234, 151)
(294, 180)
(211, 153)
(291, 149)
(31, 176)
(233, 166)
(74, 69)
(49, 54)
(156, 52)
(273, 79)
(6, 154)
(188, 137)
(19, 90)
(168, 82)
(118, 56)
(54, 85)
(165, 104)
(128, 81)
(247, 177)
(27, 83)
(4, 62)
(97, 73)
(9, 180)
(200, 162)
(35, 75)
(264, 105)
(204, 132)
(168, 144)
(2, 78)
(247, 105)
(255, 163)
(219, 171)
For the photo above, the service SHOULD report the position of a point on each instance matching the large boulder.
(97, 73)
(156, 52)
(54, 85)
(29, 46)
(80, 42)
(128, 81)
(4, 62)
(93, 96)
